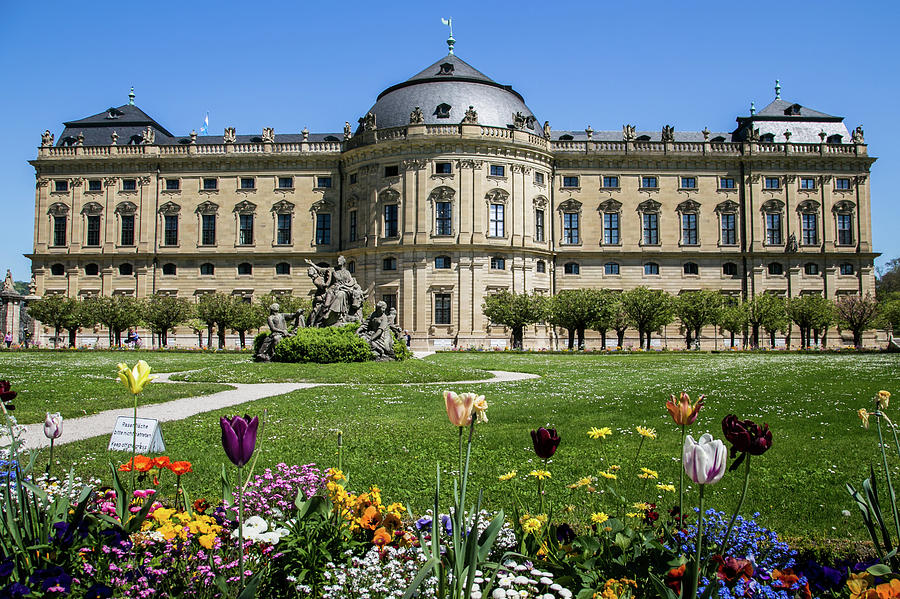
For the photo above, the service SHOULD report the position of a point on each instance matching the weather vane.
(450, 40)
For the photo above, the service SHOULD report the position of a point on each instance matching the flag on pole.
(204, 129)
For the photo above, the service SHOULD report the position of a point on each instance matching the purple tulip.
(545, 442)
(239, 438)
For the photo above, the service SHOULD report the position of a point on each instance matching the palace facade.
(448, 189)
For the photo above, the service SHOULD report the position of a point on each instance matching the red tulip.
(545, 442)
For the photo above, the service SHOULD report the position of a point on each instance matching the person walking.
(8, 339)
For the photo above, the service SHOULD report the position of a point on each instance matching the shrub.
(324, 346)
(400, 350)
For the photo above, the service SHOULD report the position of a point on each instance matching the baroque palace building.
(450, 189)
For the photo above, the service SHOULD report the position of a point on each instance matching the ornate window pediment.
(92, 209)
(207, 208)
(540, 202)
(245, 207)
(126, 208)
(808, 207)
(844, 206)
(649, 206)
(689, 206)
(322, 206)
(773, 206)
(610, 206)
(442, 194)
(497, 196)
(352, 201)
(388, 196)
(283, 207)
(169, 209)
(727, 206)
(570, 206)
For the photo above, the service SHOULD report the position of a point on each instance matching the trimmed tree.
(163, 313)
(245, 317)
(516, 311)
(608, 314)
(117, 313)
(695, 310)
(763, 311)
(215, 309)
(777, 320)
(734, 320)
(574, 310)
(196, 325)
(857, 314)
(811, 314)
(56, 311)
(648, 310)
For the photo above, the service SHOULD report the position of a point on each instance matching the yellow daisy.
(539, 474)
(609, 475)
(649, 474)
(599, 518)
(508, 476)
(665, 487)
(599, 433)
(646, 432)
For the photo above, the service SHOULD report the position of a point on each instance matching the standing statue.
(277, 322)
(377, 331)
(338, 298)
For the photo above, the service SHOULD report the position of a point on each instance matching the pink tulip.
(459, 407)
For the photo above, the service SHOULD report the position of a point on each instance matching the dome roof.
(444, 91)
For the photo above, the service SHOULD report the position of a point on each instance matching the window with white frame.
(496, 214)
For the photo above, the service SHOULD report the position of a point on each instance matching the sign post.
(149, 435)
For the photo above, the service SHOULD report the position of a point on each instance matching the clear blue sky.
(317, 64)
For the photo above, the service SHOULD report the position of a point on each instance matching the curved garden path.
(102, 423)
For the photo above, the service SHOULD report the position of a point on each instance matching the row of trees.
(648, 310)
(161, 314)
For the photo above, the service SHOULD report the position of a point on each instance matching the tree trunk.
(199, 338)
(209, 328)
(518, 334)
(816, 336)
(118, 337)
(56, 337)
(641, 338)
(755, 336)
(72, 340)
(164, 340)
(697, 337)
(581, 338)
(243, 336)
(687, 339)
(772, 339)
(648, 340)
(571, 338)
(824, 337)
(603, 338)
(857, 338)
(732, 338)
(221, 331)
(621, 338)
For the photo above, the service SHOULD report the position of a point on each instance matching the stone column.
(10, 313)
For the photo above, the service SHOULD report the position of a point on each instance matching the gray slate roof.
(653, 135)
(778, 107)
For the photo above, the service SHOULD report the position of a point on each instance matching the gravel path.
(103, 423)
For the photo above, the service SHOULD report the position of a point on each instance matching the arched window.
(245, 268)
(691, 268)
(540, 266)
(811, 268)
(651, 268)
(57, 270)
(169, 269)
(572, 268)
(207, 269)
(729, 269)
(351, 267)
(611, 268)
(442, 262)
(91, 270)
(282, 268)
(126, 269)
(775, 268)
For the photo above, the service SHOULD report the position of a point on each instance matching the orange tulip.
(683, 413)
(142, 463)
(180, 468)
(459, 407)
(161, 462)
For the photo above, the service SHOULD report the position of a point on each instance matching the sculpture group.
(337, 300)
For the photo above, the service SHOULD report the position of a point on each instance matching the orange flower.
(683, 413)
(786, 579)
(888, 590)
(858, 584)
(381, 537)
(142, 463)
(391, 522)
(370, 518)
(180, 468)
(162, 461)
(126, 467)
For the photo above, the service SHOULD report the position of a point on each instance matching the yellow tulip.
(136, 378)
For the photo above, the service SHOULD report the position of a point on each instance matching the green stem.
(241, 527)
(740, 504)
(459, 453)
(699, 545)
(541, 489)
(681, 480)
(887, 474)
(133, 440)
(50, 463)
(178, 492)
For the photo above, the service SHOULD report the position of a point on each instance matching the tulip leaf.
(227, 493)
(249, 591)
(879, 570)
(661, 589)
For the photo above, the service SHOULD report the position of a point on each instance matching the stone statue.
(416, 117)
(471, 117)
(628, 133)
(368, 122)
(338, 298)
(754, 135)
(377, 331)
(856, 137)
(193, 137)
(547, 129)
(589, 132)
(347, 133)
(114, 137)
(787, 135)
(305, 134)
(268, 135)
(519, 120)
(792, 244)
(148, 136)
(79, 139)
(47, 139)
(32, 286)
(277, 322)
(668, 133)
(230, 135)
(705, 133)
(8, 283)
(392, 322)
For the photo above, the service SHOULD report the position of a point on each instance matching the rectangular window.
(570, 228)
(689, 183)
(323, 182)
(651, 229)
(285, 182)
(353, 178)
(352, 232)
(391, 225)
(807, 183)
(611, 268)
(173, 184)
(538, 178)
(498, 170)
(539, 225)
(93, 230)
(208, 226)
(323, 229)
(496, 220)
(127, 229)
(611, 228)
(391, 171)
(773, 229)
(570, 181)
(689, 229)
(59, 230)
(248, 183)
(170, 230)
(842, 184)
(443, 168)
(390, 301)
(210, 184)
(726, 183)
(498, 263)
(773, 183)
(389, 264)
(129, 184)
(611, 182)
(729, 230)
(649, 183)
(245, 225)
(95, 185)
(284, 230)
(61, 185)
(443, 224)
(810, 232)
(441, 308)
(845, 232)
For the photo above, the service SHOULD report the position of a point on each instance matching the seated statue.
(278, 328)
(338, 297)
(377, 331)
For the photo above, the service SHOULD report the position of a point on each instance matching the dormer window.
(718, 139)
(792, 110)
(446, 68)
(835, 139)
(566, 138)
(642, 138)
(135, 140)
(112, 113)
(767, 138)
(68, 141)
(442, 111)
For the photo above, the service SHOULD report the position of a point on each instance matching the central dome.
(444, 91)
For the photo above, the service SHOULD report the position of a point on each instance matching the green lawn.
(395, 434)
